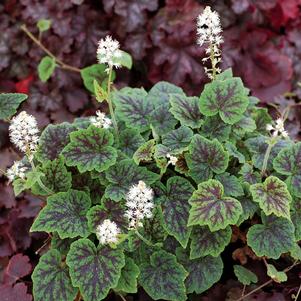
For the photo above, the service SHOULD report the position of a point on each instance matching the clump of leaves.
(117, 195)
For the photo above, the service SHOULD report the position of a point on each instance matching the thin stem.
(243, 291)
(122, 297)
(57, 60)
(266, 158)
(144, 239)
(78, 296)
(298, 293)
(212, 59)
(266, 283)
(46, 189)
(109, 100)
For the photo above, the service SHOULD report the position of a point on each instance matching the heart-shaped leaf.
(258, 146)
(186, 110)
(203, 272)
(214, 127)
(129, 141)
(288, 162)
(233, 151)
(65, 213)
(145, 152)
(175, 208)
(162, 120)
(133, 107)
(90, 149)
(210, 207)
(276, 275)
(205, 158)
(244, 276)
(243, 126)
(272, 238)
(46, 68)
(94, 270)
(249, 175)
(123, 175)
(231, 184)
(228, 98)
(51, 280)
(53, 139)
(163, 277)
(261, 117)
(249, 208)
(9, 103)
(204, 242)
(127, 282)
(272, 196)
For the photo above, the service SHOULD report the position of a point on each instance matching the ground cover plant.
(151, 196)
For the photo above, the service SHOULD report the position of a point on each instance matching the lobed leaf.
(163, 277)
(233, 151)
(64, 213)
(244, 276)
(94, 270)
(276, 275)
(145, 152)
(214, 127)
(273, 197)
(210, 207)
(51, 280)
(205, 242)
(129, 141)
(90, 149)
(9, 103)
(231, 184)
(206, 157)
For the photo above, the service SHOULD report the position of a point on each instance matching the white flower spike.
(23, 132)
(107, 232)
(172, 159)
(139, 204)
(108, 51)
(277, 129)
(101, 121)
(17, 170)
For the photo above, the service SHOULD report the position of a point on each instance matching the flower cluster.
(108, 51)
(172, 159)
(139, 204)
(17, 170)
(107, 232)
(23, 132)
(278, 129)
(101, 121)
(209, 32)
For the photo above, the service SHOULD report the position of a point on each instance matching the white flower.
(23, 132)
(108, 51)
(277, 129)
(139, 204)
(172, 159)
(107, 232)
(101, 121)
(17, 170)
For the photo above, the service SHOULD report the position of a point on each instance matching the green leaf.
(296, 218)
(272, 238)
(295, 252)
(273, 197)
(249, 208)
(125, 60)
(100, 93)
(32, 177)
(123, 175)
(204, 242)
(95, 72)
(51, 280)
(262, 118)
(133, 107)
(145, 152)
(162, 120)
(94, 270)
(243, 126)
(210, 207)
(44, 24)
(127, 282)
(163, 277)
(232, 185)
(129, 141)
(90, 149)
(178, 140)
(275, 275)
(46, 68)
(249, 175)
(9, 103)
(53, 139)
(258, 146)
(203, 272)
(228, 98)
(288, 162)
(244, 276)
(19, 186)
(64, 213)
(55, 177)
(108, 210)
(175, 208)
(62, 245)
(232, 150)
(206, 157)
(186, 110)
(214, 127)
